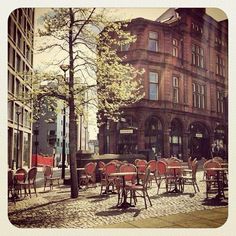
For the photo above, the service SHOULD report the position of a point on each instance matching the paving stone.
(90, 210)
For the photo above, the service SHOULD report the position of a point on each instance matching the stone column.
(166, 143)
(186, 150)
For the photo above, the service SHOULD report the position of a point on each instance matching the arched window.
(127, 140)
(175, 138)
(154, 136)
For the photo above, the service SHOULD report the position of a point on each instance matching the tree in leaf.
(88, 41)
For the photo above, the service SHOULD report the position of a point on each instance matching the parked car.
(60, 164)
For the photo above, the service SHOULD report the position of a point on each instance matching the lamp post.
(85, 136)
(18, 112)
(65, 69)
(80, 131)
(36, 143)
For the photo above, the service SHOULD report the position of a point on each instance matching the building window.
(175, 89)
(220, 101)
(18, 64)
(198, 95)
(10, 111)
(220, 66)
(153, 41)
(11, 55)
(197, 56)
(153, 86)
(175, 138)
(11, 81)
(175, 49)
(154, 136)
(197, 29)
(220, 42)
(128, 135)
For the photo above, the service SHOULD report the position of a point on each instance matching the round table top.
(174, 167)
(122, 173)
(217, 168)
(80, 168)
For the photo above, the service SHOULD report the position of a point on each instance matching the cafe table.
(124, 204)
(220, 171)
(175, 169)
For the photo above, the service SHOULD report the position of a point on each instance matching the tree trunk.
(73, 150)
(72, 116)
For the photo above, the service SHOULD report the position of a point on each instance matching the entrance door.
(199, 147)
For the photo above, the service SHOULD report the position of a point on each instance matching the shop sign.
(198, 135)
(126, 131)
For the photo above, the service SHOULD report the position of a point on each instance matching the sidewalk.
(213, 218)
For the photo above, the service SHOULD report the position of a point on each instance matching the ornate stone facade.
(185, 57)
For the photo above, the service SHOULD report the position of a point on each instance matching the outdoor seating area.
(127, 188)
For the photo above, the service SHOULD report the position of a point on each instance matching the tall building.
(185, 57)
(20, 61)
(48, 135)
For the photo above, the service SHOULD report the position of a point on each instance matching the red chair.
(129, 180)
(141, 167)
(161, 173)
(190, 177)
(89, 175)
(214, 183)
(174, 176)
(108, 181)
(48, 177)
(31, 180)
(19, 180)
(152, 165)
(101, 165)
(141, 189)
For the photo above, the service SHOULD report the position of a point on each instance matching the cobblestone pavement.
(55, 209)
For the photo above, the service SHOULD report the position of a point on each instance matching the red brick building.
(185, 57)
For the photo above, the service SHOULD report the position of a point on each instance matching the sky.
(118, 14)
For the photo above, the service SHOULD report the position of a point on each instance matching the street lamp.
(18, 112)
(36, 143)
(85, 136)
(80, 132)
(65, 69)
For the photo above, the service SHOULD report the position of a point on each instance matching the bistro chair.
(101, 165)
(153, 169)
(48, 177)
(129, 180)
(107, 180)
(187, 171)
(127, 167)
(141, 167)
(213, 182)
(19, 180)
(88, 175)
(174, 177)
(190, 177)
(161, 173)
(31, 180)
(141, 189)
